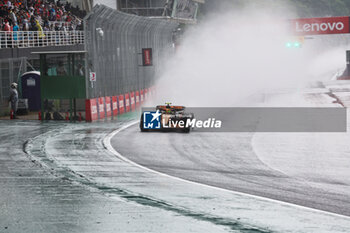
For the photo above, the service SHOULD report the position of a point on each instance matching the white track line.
(107, 144)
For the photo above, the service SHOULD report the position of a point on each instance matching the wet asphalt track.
(38, 194)
(229, 161)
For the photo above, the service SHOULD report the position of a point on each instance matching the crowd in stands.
(39, 15)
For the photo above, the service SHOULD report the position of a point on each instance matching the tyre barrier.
(108, 106)
(137, 99)
(114, 106)
(101, 107)
(142, 97)
(132, 101)
(146, 94)
(153, 91)
(127, 102)
(121, 104)
(91, 110)
(105, 107)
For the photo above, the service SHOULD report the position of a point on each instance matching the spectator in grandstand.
(33, 26)
(39, 29)
(15, 29)
(25, 25)
(45, 11)
(13, 17)
(3, 12)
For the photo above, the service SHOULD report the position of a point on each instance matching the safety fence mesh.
(10, 71)
(114, 42)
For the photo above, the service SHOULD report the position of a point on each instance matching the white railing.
(29, 39)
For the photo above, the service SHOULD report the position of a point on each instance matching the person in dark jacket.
(13, 99)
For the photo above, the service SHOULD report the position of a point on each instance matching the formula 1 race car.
(166, 118)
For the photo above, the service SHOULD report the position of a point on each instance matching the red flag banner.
(320, 26)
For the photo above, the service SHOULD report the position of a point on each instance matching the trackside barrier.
(154, 91)
(142, 97)
(108, 106)
(137, 99)
(127, 102)
(114, 106)
(132, 101)
(121, 104)
(146, 94)
(90, 110)
(101, 107)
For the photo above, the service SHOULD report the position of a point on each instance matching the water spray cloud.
(233, 55)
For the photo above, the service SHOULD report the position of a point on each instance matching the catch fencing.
(10, 71)
(114, 43)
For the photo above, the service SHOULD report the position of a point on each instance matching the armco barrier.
(108, 106)
(142, 97)
(121, 104)
(127, 102)
(132, 101)
(91, 113)
(101, 107)
(114, 106)
(137, 99)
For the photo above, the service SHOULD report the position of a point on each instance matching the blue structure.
(30, 83)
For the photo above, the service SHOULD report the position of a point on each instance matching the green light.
(297, 44)
(288, 45)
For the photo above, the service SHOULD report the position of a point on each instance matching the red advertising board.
(153, 89)
(121, 104)
(127, 102)
(146, 94)
(319, 26)
(142, 97)
(137, 99)
(91, 113)
(147, 57)
(101, 107)
(108, 106)
(132, 101)
(114, 106)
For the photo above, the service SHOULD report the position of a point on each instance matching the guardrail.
(30, 39)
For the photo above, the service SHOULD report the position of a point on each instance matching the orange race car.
(166, 118)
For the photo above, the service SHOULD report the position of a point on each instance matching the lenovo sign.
(317, 26)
